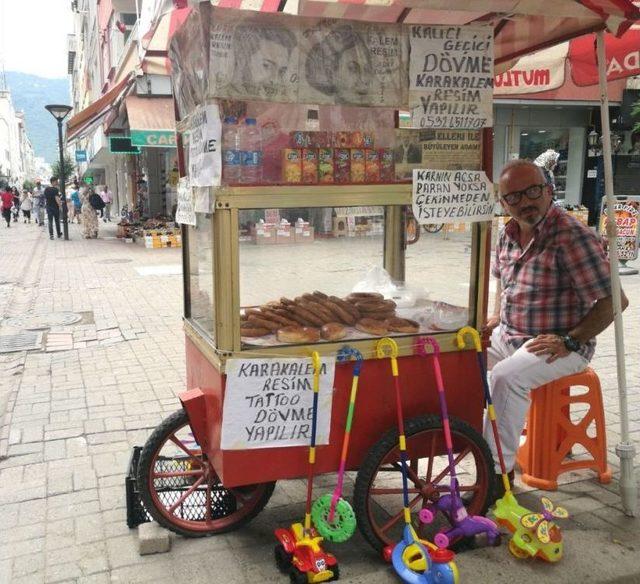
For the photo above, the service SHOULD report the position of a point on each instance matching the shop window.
(201, 309)
(536, 141)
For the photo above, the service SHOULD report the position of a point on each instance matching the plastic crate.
(136, 513)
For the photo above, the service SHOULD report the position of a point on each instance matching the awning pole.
(625, 449)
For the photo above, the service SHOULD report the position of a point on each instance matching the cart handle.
(315, 359)
(346, 352)
(475, 335)
(420, 346)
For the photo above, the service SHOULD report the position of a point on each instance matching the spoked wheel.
(378, 489)
(433, 227)
(182, 492)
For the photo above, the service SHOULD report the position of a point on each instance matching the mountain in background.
(30, 93)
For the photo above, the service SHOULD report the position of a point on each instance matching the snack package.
(372, 166)
(342, 165)
(300, 139)
(309, 165)
(325, 165)
(368, 140)
(357, 140)
(319, 139)
(342, 139)
(387, 170)
(291, 165)
(357, 165)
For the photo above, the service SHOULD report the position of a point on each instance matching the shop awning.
(90, 117)
(158, 38)
(151, 121)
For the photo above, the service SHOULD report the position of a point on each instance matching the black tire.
(283, 558)
(389, 442)
(298, 577)
(226, 499)
(336, 573)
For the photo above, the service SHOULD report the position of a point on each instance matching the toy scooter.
(299, 552)
(531, 537)
(411, 560)
(451, 505)
(332, 515)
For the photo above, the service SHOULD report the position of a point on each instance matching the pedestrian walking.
(26, 204)
(38, 203)
(89, 215)
(15, 209)
(52, 201)
(6, 198)
(76, 205)
(553, 298)
(107, 198)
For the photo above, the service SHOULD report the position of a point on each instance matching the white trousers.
(514, 373)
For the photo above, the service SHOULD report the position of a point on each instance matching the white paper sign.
(268, 403)
(205, 144)
(202, 200)
(451, 77)
(185, 212)
(452, 196)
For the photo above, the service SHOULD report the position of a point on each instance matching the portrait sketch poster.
(268, 57)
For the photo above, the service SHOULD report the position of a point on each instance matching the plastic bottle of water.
(231, 151)
(250, 152)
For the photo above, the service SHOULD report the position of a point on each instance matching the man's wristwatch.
(570, 343)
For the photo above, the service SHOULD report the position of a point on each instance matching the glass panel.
(534, 142)
(438, 269)
(201, 272)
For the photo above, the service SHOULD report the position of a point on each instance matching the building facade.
(17, 163)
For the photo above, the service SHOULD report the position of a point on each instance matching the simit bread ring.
(320, 295)
(350, 308)
(274, 316)
(375, 305)
(263, 323)
(372, 327)
(403, 325)
(357, 296)
(318, 309)
(341, 314)
(298, 334)
(307, 315)
(249, 330)
(333, 331)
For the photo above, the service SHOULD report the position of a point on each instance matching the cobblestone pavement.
(71, 412)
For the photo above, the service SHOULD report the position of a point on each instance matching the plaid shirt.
(550, 285)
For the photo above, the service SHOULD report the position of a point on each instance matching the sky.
(33, 36)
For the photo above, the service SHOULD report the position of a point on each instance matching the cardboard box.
(284, 234)
(303, 233)
(264, 234)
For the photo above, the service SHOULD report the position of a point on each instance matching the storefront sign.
(626, 211)
(541, 71)
(282, 58)
(153, 138)
(451, 76)
(204, 136)
(185, 212)
(81, 155)
(445, 149)
(88, 180)
(452, 196)
(269, 403)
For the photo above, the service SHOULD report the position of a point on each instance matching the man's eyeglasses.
(532, 192)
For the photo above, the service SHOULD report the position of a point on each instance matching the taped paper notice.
(452, 196)
(269, 403)
(185, 212)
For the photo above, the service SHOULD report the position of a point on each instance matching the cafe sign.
(153, 138)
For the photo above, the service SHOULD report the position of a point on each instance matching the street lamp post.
(60, 112)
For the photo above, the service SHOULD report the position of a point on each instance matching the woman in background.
(89, 216)
(26, 204)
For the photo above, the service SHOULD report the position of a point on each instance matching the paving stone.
(153, 539)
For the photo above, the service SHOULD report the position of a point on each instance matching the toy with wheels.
(332, 515)
(299, 551)
(451, 505)
(410, 557)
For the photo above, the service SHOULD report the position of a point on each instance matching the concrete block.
(153, 539)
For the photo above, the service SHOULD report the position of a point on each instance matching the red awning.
(158, 38)
(623, 57)
(86, 120)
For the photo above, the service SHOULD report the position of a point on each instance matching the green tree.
(28, 185)
(69, 169)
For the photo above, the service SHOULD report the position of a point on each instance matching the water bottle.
(250, 152)
(231, 151)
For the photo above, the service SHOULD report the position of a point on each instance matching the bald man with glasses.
(553, 298)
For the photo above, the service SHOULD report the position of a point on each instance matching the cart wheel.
(378, 490)
(182, 492)
(283, 558)
(433, 227)
(298, 577)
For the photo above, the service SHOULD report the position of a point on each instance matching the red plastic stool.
(551, 434)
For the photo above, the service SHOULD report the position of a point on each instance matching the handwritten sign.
(627, 211)
(452, 196)
(205, 143)
(451, 77)
(269, 403)
(185, 212)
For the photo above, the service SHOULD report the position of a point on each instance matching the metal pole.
(625, 449)
(62, 182)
